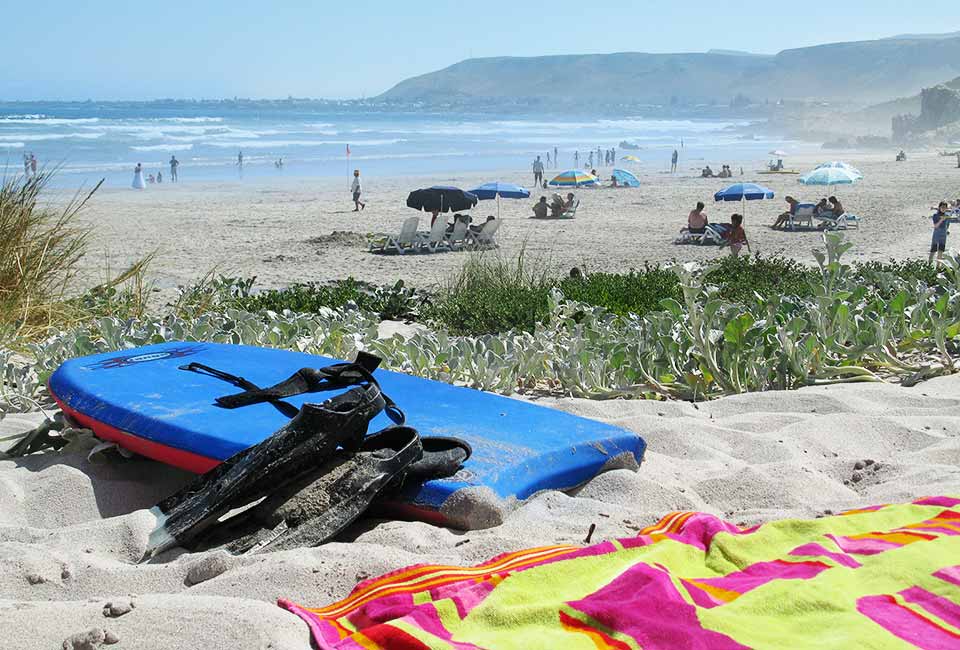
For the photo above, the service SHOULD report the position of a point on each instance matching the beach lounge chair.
(404, 241)
(841, 222)
(435, 239)
(484, 238)
(458, 238)
(571, 212)
(712, 235)
(803, 216)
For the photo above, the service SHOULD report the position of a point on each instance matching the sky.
(57, 49)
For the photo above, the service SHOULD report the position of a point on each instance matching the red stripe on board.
(168, 455)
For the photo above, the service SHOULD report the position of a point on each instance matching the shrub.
(494, 294)
(39, 251)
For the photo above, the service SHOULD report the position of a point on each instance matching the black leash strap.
(305, 380)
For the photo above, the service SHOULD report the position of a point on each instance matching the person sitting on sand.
(901, 157)
(614, 182)
(540, 208)
(707, 172)
(697, 219)
(568, 204)
(736, 237)
(784, 218)
(433, 217)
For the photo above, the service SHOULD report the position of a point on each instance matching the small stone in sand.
(857, 477)
(206, 569)
(117, 609)
(858, 465)
(35, 579)
(868, 462)
(90, 640)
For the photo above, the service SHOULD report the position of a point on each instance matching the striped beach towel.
(880, 577)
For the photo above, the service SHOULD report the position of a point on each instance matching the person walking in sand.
(356, 188)
(673, 161)
(941, 222)
(240, 160)
(538, 171)
(138, 182)
(174, 166)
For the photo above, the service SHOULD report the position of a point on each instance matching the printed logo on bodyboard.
(125, 360)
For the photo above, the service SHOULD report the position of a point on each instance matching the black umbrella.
(442, 199)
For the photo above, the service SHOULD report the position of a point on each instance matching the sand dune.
(71, 531)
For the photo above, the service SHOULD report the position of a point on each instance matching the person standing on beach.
(356, 188)
(941, 222)
(240, 160)
(537, 171)
(548, 159)
(576, 158)
(673, 161)
(174, 164)
(138, 182)
(26, 165)
(556, 161)
(591, 159)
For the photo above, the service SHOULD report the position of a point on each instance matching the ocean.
(89, 141)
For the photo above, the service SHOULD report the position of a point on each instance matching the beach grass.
(40, 248)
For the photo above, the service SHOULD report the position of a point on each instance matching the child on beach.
(356, 189)
(941, 222)
(736, 237)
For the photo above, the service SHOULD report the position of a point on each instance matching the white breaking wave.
(42, 120)
(190, 119)
(11, 145)
(274, 144)
(164, 147)
(51, 136)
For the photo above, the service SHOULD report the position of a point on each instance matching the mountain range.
(857, 73)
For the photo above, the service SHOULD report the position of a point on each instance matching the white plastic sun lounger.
(404, 241)
(435, 239)
(803, 216)
(842, 222)
(484, 238)
(458, 238)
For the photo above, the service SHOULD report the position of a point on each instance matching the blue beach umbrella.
(625, 178)
(497, 190)
(829, 176)
(842, 165)
(744, 192)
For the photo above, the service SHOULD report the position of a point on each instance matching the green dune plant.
(695, 346)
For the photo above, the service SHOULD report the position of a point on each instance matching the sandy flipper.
(885, 575)
(309, 439)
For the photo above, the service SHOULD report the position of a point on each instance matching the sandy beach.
(282, 231)
(71, 531)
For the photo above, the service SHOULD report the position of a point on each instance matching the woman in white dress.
(138, 183)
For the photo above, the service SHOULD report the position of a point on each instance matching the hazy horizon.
(119, 51)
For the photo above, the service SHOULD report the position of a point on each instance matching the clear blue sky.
(54, 49)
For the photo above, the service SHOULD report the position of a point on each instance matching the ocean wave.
(163, 147)
(11, 145)
(43, 120)
(275, 144)
(190, 119)
(28, 137)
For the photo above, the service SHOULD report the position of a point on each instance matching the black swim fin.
(319, 505)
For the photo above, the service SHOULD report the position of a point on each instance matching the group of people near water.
(140, 182)
(725, 172)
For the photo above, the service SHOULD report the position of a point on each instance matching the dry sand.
(280, 230)
(71, 531)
